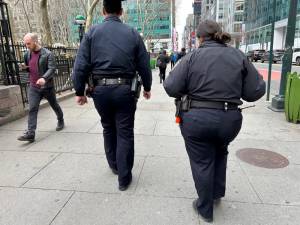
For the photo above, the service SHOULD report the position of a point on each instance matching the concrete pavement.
(63, 178)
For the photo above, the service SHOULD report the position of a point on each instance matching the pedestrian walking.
(40, 63)
(111, 54)
(173, 57)
(209, 84)
(181, 54)
(162, 62)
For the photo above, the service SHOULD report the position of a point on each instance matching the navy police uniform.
(113, 51)
(215, 77)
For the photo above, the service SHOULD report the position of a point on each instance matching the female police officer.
(213, 78)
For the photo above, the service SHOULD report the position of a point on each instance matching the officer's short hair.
(112, 6)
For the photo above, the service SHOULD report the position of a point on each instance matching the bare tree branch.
(47, 38)
(89, 18)
(27, 17)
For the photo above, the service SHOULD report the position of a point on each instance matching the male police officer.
(112, 53)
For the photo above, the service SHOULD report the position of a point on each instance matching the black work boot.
(27, 137)
(206, 219)
(60, 125)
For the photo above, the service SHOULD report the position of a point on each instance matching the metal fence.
(65, 58)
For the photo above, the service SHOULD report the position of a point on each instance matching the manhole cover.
(262, 158)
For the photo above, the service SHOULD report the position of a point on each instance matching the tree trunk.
(90, 12)
(47, 35)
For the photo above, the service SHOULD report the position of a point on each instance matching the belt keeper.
(104, 81)
(119, 80)
(226, 106)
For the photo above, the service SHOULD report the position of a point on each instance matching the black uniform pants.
(116, 107)
(162, 73)
(35, 95)
(207, 134)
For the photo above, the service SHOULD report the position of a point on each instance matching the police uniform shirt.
(112, 50)
(215, 72)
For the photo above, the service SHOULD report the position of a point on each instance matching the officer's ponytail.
(211, 30)
(222, 37)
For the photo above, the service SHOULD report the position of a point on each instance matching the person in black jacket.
(214, 79)
(181, 54)
(112, 53)
(40, 63)
(162, 61)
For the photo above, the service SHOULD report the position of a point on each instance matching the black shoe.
(27, 137)
(114, 171)
(125, 187)
(60, 125)
(206, 219)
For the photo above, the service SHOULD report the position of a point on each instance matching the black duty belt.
(111, 81)
(213, 105)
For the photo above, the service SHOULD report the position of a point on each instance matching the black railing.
(65, 58)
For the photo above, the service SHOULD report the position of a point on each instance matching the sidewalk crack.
(138, 180)
(252, 187)
(62, 207)
(22, 185)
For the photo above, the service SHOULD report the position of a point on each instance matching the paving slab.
(238, 187)
(144, 127)
(18, 167)
(30, 207)
(234, 213)
(20, 125)
(91, 114)
(9, 142)
(82, 143)
(88, 173)
(276, 186)
(99, 209)
(167, 128)
(170, 177)
(71, 125)
(161, 146)
(73, 112)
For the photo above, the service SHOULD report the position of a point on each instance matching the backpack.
(158, 62)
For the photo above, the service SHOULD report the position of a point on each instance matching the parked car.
(277, 56)
(249, 55)
(296, 56)
(255, 55)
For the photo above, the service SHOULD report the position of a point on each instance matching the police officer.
(112, 53)
(213, 79)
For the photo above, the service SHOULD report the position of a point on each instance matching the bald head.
(31, 40)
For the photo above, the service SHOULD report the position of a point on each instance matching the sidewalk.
(63, 178)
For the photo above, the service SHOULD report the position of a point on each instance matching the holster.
(136, 86)
(183, 104)
(90, 87)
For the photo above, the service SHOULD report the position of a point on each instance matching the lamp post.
(271, 50)
(278, 100)
(80, 20)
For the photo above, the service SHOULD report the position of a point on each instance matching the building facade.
(258, 18)
(234, 20)
(189, 37)
(153, 20)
